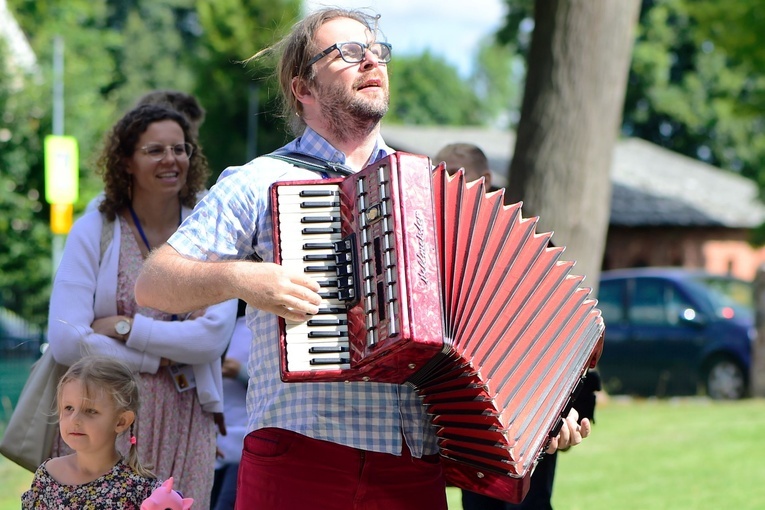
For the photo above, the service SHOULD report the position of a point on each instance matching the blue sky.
(450, 28)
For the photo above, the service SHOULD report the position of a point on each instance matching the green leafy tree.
(115, 51)
(687, 94)
(497, 80)
(26, 244)
(241, 100)
(425, 89)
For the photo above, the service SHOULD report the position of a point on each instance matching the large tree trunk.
(577, 74)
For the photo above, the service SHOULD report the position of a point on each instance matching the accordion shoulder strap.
(326, 168)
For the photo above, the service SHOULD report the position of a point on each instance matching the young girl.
(97, 402)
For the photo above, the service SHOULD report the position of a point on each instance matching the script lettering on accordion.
(422, 250)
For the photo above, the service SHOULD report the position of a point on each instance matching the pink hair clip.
(132, 440)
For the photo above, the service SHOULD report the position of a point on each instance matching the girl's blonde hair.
(112, 376)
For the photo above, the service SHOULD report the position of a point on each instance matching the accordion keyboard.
(371, 248)
(314, 213)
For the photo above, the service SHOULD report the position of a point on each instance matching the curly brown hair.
(120, 145)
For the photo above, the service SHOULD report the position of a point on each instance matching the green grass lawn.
(688, 454)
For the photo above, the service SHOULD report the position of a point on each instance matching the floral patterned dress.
(174, 436)
(120, 489)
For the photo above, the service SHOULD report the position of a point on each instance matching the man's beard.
(348, 116)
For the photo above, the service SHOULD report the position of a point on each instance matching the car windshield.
(730, 297)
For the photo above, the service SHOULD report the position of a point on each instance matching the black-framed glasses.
(354, 52)
(157, 151)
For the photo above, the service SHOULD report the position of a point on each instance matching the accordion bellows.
(467, 303)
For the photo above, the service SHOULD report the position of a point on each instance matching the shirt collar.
(313, 144)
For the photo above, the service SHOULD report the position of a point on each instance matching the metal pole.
(58, 86)
(58, 128)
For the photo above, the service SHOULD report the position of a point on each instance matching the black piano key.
(318, 246)
(329, 295)
(316, 205)
(321, 230)
(327, 334)
(330, 361)
(314, 257)
(319, 219)
(327, 283)
(318, 269)
(325, 349)
(327, 322)
(332, 310)
(317, 193)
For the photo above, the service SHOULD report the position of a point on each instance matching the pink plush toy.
(165, 498)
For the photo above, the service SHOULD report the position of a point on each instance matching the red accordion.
(432, 282)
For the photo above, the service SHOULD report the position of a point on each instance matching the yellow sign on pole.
(61, 218)
(61, 169)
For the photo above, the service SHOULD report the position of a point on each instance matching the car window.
(729, 297)
(611, 301)
(657, 302)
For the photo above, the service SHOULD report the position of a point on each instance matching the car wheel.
(724, 379)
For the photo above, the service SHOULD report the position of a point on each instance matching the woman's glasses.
(157, 152)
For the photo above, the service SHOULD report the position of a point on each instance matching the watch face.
(122, 327)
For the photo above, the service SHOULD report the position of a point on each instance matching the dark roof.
(635, 208)
(652, 186)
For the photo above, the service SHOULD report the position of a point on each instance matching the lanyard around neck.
(143, 236)
(140, 228)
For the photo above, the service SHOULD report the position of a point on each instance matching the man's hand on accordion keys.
(571, 433)
(274, 289)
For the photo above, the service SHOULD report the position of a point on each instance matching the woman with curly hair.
(153, 171)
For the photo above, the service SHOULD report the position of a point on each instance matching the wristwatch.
(123, 327)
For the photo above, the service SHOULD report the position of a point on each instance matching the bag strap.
(107, 234)
(326, 168)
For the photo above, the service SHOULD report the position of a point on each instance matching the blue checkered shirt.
(233, 221)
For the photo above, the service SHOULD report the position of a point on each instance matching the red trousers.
(283, 470)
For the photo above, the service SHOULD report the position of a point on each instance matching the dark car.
(673, 331)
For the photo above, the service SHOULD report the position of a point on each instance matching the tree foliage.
(689, 93)
(241, 100)
(26, 244)
(425, 89)
(115, 51)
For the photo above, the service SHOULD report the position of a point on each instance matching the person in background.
(152, 170)
(182, 102)
(470, 158)
(332, 445)
(475, 165)
(97, 400)
(235, 412)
